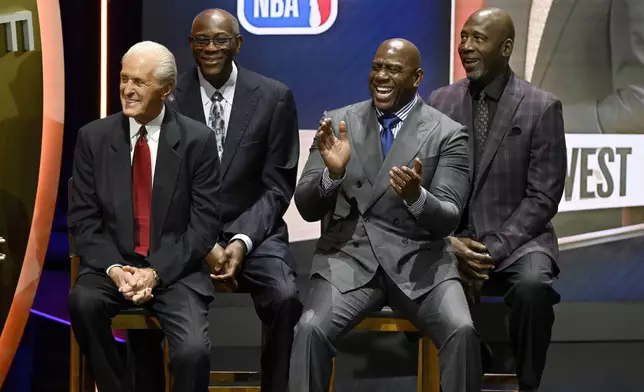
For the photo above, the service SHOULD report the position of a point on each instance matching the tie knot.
(143, 132)
(388, 121)
(482, 95)
(217, 97)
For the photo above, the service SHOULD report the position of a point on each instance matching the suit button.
(405, 241)
(355, 244)
(359, 184)
(367, 220)
(396, 221)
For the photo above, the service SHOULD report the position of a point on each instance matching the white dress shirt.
(329, 185)
(228, 92)
(153, 129)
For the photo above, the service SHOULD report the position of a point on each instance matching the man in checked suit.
(255, 122)
(144, 215)
(386, 204)
(518, 164)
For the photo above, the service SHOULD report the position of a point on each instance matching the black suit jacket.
(261, 152)
(184, 215)
(520, 179)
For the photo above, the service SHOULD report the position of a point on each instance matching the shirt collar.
(495, 88)
(153, 127)
(227, 90)
(403, 112)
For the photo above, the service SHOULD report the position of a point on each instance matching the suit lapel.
(362, 128)
(189, 98)
(244, 103)
(410, 138)
(505, 111)
(467, 116)
(166, 171)
(120, 175)
(557, 20)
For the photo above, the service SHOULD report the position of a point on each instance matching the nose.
(466, 45)
(381, 76)
(128, 88)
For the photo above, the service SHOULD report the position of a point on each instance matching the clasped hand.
(474, 264)
(225, 263)
(406, 182)
(136, 284)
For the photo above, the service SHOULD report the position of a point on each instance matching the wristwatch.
(156, 275)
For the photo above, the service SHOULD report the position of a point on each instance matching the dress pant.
(268, 276)
(95, 300)
(442, 315)
(527, 284)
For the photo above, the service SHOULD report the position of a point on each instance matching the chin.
(474, 75)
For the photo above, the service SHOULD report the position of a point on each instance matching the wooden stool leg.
(421, 368)
(431, 369)
(332, 381)
(166, 365)
(74, 365)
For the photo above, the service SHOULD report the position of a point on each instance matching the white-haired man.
(144, 216)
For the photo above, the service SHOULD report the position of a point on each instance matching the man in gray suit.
(386, 203)
(590, 54)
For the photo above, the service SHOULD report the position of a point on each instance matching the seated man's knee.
(286, 296)
(464, 328)
(533, 288)
(191, 352)
(309, 325)
(83, 302)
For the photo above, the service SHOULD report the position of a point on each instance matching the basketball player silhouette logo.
(287, 17)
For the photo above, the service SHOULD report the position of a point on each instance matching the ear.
(167, 90)
(240, 41)
(419, 77)
(507, 47)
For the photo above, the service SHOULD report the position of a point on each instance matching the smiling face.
(215, 41)
(485, 45)
(142, 95)
(395, 75)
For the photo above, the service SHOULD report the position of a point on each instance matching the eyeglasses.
(220, 41)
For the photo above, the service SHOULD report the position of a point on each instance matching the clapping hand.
(334, 151)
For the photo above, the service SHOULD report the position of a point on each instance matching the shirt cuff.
(112, 266)
(419, 205)
(245, 239)
(329, 185)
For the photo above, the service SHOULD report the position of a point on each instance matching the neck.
(489, 77)
(220, 79)
(145, 118)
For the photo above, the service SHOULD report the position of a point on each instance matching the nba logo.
(287, 17)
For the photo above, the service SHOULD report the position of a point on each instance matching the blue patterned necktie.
(388, 122)
(217, 121)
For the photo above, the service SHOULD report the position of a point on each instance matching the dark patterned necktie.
(388, 122)
(481, 123)
(141, 193)
(217, 121)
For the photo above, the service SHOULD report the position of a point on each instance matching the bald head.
(496, 18)
(217, 17)
(487, 41)
(215, 41)
(395, 74)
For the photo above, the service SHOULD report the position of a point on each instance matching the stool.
(390, 320)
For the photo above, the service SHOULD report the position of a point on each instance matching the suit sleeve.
(85, 217)
(447, 194)
(279, 175)
(622, 111)
(175, 259)
(545, 185)
(312, 198)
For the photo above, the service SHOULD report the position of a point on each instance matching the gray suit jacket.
(591, 56)
(365, 224)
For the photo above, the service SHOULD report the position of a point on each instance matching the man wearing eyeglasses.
(255, 122)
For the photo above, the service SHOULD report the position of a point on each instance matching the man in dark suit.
(386, 203)
(518, 164)
(144, 216)
(255, 122)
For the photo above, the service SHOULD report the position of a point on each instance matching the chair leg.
(332, 381)
(74, 364)
(431, 369)
(420, 372)
(166, 365)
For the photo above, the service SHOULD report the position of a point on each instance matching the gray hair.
(166, 70)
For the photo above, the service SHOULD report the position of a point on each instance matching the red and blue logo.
(287, 17)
